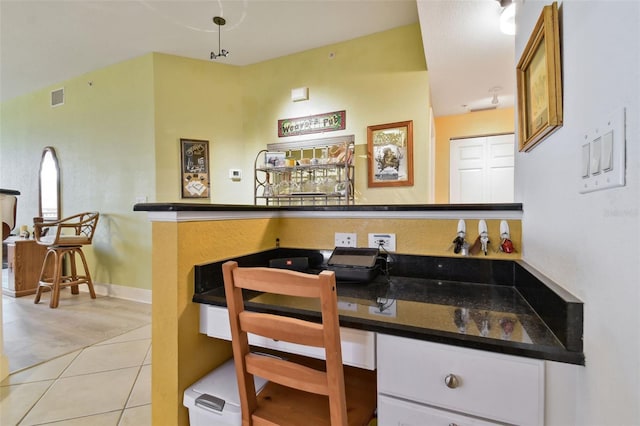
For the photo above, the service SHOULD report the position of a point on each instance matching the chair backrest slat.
(288, 373)
(271, 280)
(283, 328)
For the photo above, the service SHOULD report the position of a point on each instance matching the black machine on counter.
(354, 264)
(349, 263)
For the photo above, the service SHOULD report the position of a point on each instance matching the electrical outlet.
(385, 241)
(346, 239)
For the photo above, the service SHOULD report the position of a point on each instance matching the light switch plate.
(607, 154)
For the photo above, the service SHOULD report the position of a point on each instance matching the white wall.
(590, 243)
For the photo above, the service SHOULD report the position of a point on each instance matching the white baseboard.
(121, 292)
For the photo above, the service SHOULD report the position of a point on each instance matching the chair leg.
(57, 278)
(74, 270)
(38, 294)
(43, 278)
(88, 275)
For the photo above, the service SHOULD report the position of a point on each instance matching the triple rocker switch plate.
(603, 155)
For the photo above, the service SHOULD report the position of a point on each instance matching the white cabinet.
(398, 412)
(495, 387)
(358, 346)
(489, 388)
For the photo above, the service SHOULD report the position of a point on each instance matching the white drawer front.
(396, 412)
(358, 346)
(494, 386)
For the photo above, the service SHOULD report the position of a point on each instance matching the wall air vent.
(57, 97)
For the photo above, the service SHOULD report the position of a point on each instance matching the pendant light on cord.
(219, 21)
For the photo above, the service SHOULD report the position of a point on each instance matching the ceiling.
(48, 41)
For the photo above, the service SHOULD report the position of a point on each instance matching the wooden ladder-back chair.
(64, 238)
(298, 393)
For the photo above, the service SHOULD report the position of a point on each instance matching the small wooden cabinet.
(24, 258)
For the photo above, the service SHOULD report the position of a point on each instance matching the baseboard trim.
(121, 292)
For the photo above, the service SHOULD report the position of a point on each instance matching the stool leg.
(74, 271)
(42, 278)
(88, 275)
(57, 277)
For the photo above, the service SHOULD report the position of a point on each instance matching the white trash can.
(214, 399)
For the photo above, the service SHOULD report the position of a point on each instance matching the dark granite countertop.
(177, 207)
(474, 303)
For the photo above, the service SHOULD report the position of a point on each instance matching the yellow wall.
(181, 355)
(377, 79)
(449, 127)
(104, 139)
(197, 99)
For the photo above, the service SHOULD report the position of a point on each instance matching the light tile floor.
(88, 362)
(108, 383)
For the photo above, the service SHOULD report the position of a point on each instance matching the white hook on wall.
(462, 229)
(504, 230)
(483, 232)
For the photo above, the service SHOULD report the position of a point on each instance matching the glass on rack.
(283, 188)
(309, 184)
(294, 187)
(268, 190)
(329, 184)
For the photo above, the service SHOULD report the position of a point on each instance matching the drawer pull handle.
(453, 424)
(451, 381)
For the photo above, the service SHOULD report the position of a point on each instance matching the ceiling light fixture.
(219, 21)
(508, 17)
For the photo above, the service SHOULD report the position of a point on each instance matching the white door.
(481, 169)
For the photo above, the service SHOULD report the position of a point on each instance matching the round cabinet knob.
(452, 381)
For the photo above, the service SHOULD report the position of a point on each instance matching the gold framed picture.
(539, 78)
(195, 168)
(390, 154)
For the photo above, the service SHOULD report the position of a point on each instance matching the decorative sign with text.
(327, 122)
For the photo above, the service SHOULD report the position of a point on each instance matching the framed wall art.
(539, 79)
(194, 155)
(390, 154)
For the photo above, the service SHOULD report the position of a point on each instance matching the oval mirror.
(49, 185)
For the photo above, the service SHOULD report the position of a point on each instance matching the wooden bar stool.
(70, 235)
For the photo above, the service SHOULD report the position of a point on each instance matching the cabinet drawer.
(396, 412)
(358, 346)
(499, 387)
